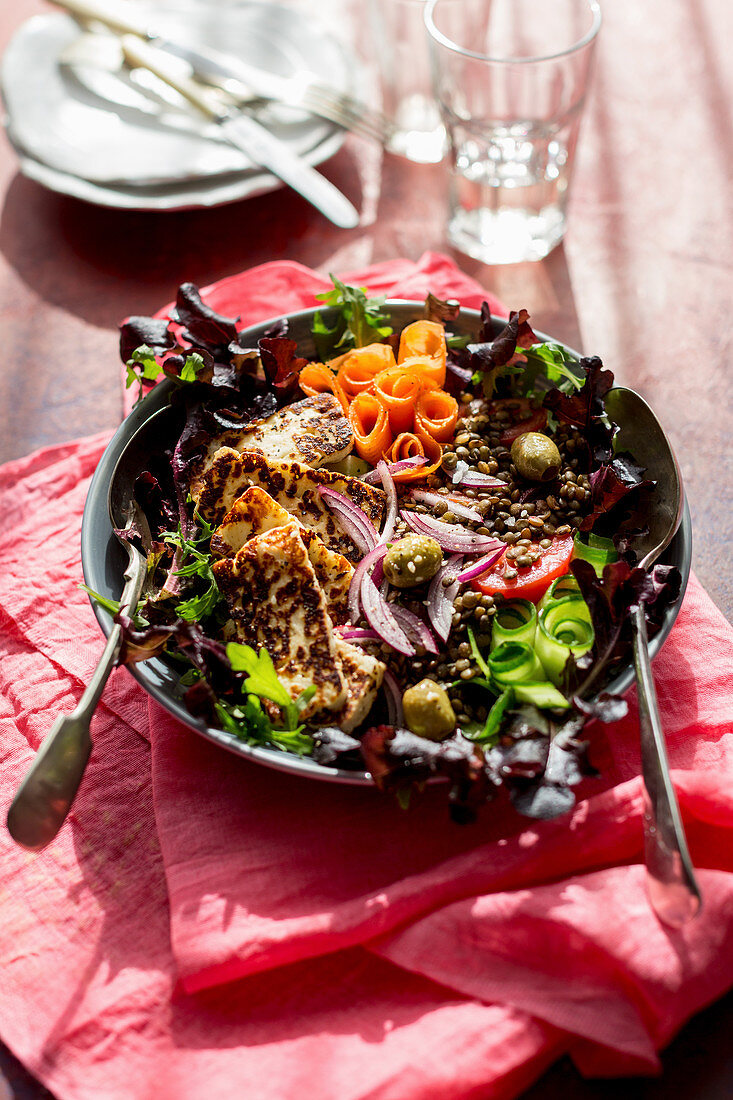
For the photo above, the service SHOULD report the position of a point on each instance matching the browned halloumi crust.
(275, 601)
(363, 674)
(312, 431)
(294, 486)
(256, 512)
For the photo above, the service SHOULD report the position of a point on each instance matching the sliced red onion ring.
(391, 494)
(380, 618)
(374, 556)
(450, 536)
(415, 629)
(474, 479)
(396, 468)
(441, 596)
(351, 518)
(357, 634)
(456, 507)
(483, 564)
(393, 695)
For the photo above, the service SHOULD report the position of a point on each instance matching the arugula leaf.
(262, 680)
(361, 322)
(195, 563)
(403, 795)
(200, 607)
(112, 606)
(551, 361)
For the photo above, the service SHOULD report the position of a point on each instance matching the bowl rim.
(154, 676)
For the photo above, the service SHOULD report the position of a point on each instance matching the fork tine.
(348, 114)
(360, 110)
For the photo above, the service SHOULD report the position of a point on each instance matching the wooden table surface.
(643, 279)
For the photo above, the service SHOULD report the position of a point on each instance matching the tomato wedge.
(532, 582)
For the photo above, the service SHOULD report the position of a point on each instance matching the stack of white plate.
(125, 140)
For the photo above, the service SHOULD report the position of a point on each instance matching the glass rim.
(442, 39)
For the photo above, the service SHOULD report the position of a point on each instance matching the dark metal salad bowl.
(103, 559)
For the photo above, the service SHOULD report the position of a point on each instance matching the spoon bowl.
(642, 435)
(673, 891)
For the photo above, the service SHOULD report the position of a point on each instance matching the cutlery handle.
(258, 144)
(106, 13)
(673, 891)
(140, 54)
(44, 797)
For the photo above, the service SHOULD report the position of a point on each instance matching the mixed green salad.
(489, 606)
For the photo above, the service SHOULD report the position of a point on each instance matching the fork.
(244, 82)
(317, 99)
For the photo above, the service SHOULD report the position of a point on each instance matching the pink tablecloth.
(203, 927)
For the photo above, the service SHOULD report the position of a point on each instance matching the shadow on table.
(543, 288)
(102, 264)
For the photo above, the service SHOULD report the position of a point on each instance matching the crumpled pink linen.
(285, 286)
(203, 926)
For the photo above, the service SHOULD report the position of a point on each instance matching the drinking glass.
(403, 62)
(511, 78)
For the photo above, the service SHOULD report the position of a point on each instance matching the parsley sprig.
(248, 719)
(264, 682)
(361, 320)
(194, 560)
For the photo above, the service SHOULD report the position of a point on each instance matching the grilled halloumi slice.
(363, 675)
(295, 488)
(256, 512)
(312, 431)
(276, 601)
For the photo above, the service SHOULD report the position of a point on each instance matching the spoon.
(44, 797)
(673, 891)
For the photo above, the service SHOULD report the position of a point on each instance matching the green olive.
(428, 711)
(536, 457)
(412, 560)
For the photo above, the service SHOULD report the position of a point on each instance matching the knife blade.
(144, 49)
(205, 62)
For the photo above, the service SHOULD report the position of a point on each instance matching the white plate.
(185, 196)
(77, 142)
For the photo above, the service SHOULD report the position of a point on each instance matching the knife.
(206, 63)
(147, 50)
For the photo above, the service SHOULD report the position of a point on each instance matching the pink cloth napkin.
(203, 926)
